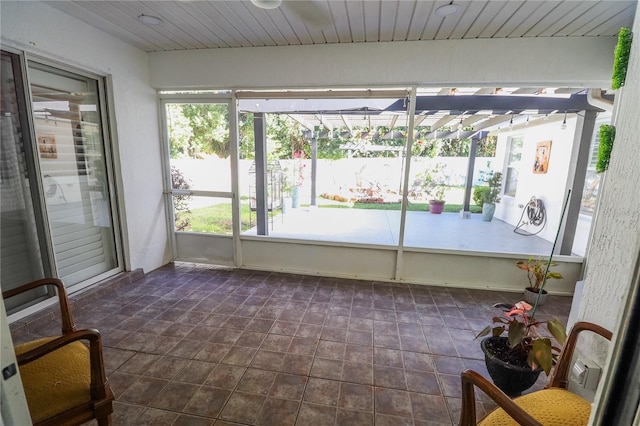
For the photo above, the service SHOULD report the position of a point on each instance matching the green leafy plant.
(525, 344)
(479, 193)
(535, 272)
(434, 182)
(607, 136)
(494, 181)
(621, 58)
(180, 202)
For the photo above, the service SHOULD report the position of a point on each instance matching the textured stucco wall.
(549, 187)
(38, 29)
(616, 238)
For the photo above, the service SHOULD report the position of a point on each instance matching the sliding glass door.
(73, 171)
(22, 256)
(57, 205)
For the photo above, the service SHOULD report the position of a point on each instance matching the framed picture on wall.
(47, 146)
(541, 164)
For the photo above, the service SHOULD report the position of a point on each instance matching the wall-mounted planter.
(607, 135)
(621, 58)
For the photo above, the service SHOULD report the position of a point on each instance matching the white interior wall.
(615, 244)
(549, 187)
(562, 61)
(38, 29)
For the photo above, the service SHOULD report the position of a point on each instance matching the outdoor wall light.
(564, 122)
(447, 10)
(149, 20)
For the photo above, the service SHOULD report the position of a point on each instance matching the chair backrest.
(560, 376)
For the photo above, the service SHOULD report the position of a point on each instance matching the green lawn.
(414, 207)
(216, 219)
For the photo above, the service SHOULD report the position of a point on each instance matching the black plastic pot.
(511, 379)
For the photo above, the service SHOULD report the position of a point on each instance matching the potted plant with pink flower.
(516, 360)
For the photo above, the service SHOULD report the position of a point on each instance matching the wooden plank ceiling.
(196, 24)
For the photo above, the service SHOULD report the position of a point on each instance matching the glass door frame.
(108, 135)
(109, 139)
(169, 192)
(25, 120)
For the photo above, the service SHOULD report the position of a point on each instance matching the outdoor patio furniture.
(553, 405)
(63, 379)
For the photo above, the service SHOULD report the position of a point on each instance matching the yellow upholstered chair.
(554, 405)
(64, 380)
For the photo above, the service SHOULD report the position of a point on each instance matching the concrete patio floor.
(423, 230)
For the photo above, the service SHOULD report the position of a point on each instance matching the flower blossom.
(519, 309)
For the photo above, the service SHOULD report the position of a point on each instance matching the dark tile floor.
(201, 345)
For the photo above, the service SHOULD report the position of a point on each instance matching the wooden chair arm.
(67, 321)
(468, 413)
(98, 374)
(560, 376)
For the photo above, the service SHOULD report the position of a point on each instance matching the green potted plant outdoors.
(433, 185)
(536, 274)
(515, 361)
(491, 196)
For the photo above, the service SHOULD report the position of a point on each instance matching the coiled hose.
(536, 216)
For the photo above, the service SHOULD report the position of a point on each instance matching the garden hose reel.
(536, 216)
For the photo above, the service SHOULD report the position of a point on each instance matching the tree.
(454, 148)
(487, 147)
(179, 132)
(209, 129)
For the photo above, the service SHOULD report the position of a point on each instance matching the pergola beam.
(326, 124)
(346, 122)
(297, 118)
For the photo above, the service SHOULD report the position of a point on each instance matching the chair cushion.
(554, 407)
(57, 381)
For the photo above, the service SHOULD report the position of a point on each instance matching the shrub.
(479, 193)
(180, 202)
(621, 58)
(607, 135)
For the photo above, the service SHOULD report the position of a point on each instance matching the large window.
(266, 172)
(333, 167)
(200, 166)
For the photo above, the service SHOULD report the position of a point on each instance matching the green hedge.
(607, 135)
(621, 58)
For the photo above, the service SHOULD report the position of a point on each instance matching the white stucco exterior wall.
(518, 62)
(549, 187)
(616, 239)
(38, 29)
